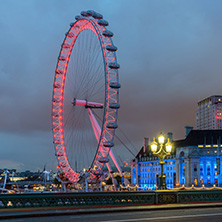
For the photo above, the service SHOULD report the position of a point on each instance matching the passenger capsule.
(107, 33)
(83, 13)
(114, 65)
(114, 85)
(108, 144)
(114, 105)
(78, 17)
(111, 125)
(90, 12)
(111, 48)
(97, 16)
(103, 159)
(103, 22)
(71, 24)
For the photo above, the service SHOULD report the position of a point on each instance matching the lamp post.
(161, 149)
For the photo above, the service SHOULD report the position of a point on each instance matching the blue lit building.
(198, 158)
(194, 160)
(145, 169)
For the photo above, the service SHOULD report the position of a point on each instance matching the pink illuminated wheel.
(85, 98)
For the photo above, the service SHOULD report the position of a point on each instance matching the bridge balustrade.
(106, 199)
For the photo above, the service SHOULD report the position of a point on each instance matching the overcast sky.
(170, 54)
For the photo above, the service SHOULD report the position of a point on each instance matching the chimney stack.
(146, 141)
(187, 130)
(170, 136)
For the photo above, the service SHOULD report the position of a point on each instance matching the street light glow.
(168, 146)
(161, 139)
(154, 147)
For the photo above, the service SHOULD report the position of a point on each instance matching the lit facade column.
(192, 171)
(187, 172)
(219, 175)
(195, 170)
(137, 173)
(177, 171)
(212, 178)
(204, 172)
(198, 171)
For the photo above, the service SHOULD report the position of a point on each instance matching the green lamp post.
(161, 149)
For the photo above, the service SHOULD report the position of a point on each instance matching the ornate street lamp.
(161, 150)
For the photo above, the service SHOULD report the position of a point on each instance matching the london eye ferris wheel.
(86, 98)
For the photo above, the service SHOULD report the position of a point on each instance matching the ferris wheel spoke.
(97, 132)
(95, 125)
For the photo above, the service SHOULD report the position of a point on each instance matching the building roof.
(209, 97)
(194, 138)
(200, 137)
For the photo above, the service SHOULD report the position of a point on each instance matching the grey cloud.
(169, 51)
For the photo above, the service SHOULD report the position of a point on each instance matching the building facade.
(145, 169)
(198, 158)
(195, 160)
(209, 113)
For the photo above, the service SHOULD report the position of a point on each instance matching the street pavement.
(171, 212)
(205, 214)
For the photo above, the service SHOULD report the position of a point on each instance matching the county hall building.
(195, 160)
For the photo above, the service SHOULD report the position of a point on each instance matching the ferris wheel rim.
(95, 23)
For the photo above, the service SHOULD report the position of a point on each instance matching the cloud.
(9, 164)
(170, 56)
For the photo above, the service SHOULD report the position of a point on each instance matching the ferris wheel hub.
(87, 104)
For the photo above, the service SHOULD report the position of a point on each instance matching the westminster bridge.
(106, 199)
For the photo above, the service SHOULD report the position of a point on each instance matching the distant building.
(194, 160)
(209, 113)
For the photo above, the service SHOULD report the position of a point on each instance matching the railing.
(75, 199)
(106, 199)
